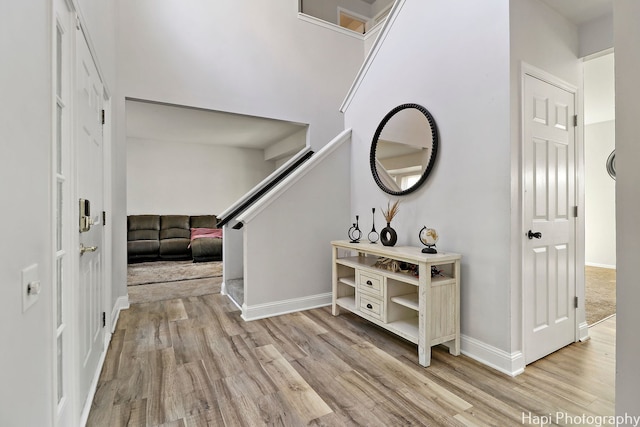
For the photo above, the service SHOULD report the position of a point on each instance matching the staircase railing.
(263, 187)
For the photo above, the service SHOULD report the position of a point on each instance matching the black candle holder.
(354, 231)
(373, 235)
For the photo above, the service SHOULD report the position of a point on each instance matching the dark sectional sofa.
(168, 237)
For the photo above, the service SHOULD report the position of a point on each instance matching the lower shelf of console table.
(423, 309)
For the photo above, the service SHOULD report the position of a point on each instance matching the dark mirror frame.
(434, 149)
(611, 164)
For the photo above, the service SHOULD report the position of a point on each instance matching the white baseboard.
(583, 331)
(223, 289)
(86, 407)
(234, 302)
(260, 311)
(122, 303)
(595, 264)
(509, 363)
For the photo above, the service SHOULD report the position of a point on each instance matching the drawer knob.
(369, 283)
(369, 306)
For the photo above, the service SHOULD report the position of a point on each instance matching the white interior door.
(549, 198)
(89, 167)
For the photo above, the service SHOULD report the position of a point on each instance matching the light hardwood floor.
(193, 361)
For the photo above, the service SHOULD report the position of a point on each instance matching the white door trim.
(581, 330)
(62, 172)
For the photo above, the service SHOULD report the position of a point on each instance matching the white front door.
(549, 223)
(89, 167)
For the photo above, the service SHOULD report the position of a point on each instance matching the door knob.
(532, 235)
(84, 249)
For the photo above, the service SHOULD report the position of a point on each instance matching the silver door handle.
(84, 249)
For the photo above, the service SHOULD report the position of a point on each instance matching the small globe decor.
(428, 237)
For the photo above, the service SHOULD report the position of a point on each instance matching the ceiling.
(172, 123)
(581, 11)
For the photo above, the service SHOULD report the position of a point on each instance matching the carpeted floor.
(600, 293)
(145, 273)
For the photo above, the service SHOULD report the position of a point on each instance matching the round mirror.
(403, 150)
(611, 164)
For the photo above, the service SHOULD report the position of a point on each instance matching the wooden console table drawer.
(372, 306)
(424, 309)
(371, 283)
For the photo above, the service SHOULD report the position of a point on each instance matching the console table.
(423, 309)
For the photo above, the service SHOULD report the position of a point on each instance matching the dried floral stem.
(391, 211)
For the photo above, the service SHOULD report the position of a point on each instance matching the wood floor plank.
(134, 376)
(471, 419)
(150, 329)
(242, 412)
(196, 389)
(293, 388)
(356, 329)
(541, 379)
(176, 423)
(228, 357)
(130, 414)
(112, 364)
(175, 310)
(206, 419)
(271, 334)
(165, 396)
(197, 309)
(101, 406)
(415, 385)
(184, 336)
(192, 361)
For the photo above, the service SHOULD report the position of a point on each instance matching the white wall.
(627, 64)
(241, 56)
(25, 131)
(100, 18)
(541, 38)
(465, 86)
(370, 38)
(247, 57)
(189, 179)
(378, 5)
(596, 35)
(600, 190)
(473, 194)
(287, 251)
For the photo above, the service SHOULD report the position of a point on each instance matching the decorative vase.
(388, 236)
